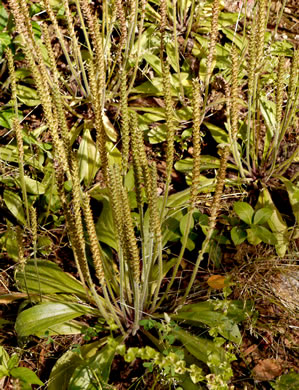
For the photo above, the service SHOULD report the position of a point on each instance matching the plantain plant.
(120, 258)
(263, 102)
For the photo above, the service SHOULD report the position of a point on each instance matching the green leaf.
(3, 17)
(219, 135)
(238, 235)
(10, 244)
(215, 253)
(201, 314)
(65, 366)
(114, 155)
(89, 158)
(207, 162)
(227, 19)
(293, 192)
(252, 238)
(109, 128)
(236, 310)
(190, 244)
(43, 316)
(203, 221)
(239, 41)
(26, 375)
(3, 372)
(154, 272)
(33, 186)
(199, 347)
(5, 40)
(46, 277)
(10, 153)
(157, 134)
(6, 118)
(268, 110)
(183, 224)
(153, 87)
(105, 228)
(28, 95)
(15, 205)
(282, 48)
(65, 328)
(171, 230)
(222, 60)
(96, 370)
(275, 222)
(4, 357)
(289, 381)
(171, 56)
(154, 62)
(151, 14)
(264, 234)
(13, 361)
(44, 245)
(3, 323)
(146, 39)
(178, 199)
(244, 211)
(262, 215)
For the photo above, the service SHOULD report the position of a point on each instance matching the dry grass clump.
(272, 284)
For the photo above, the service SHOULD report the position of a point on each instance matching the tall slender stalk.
(18, 131)
(189, 27)
(62, 44)
(170, 124)
(234, 111)
(21, 258)
(176, 48)
(212, 219)
(140, 30)
(34, 241)
(194, 185)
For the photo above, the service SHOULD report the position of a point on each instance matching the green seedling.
(9, 368)
(252, 225)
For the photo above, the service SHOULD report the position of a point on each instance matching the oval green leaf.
(14, 205)
(262, 215)
(26, 375)
(244, 211)
(264, 234)
(238, 235)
